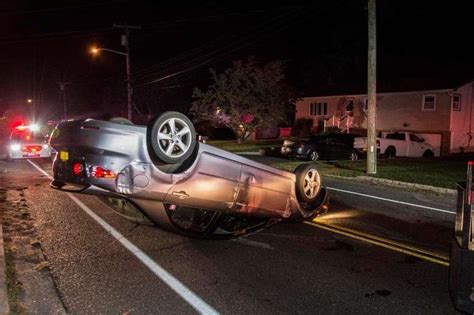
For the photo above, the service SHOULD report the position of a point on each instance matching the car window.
(415, 138)
(27, 136)
(335, 141)
(347, 139)
(315, 139)
(396, 136)
(325, 141)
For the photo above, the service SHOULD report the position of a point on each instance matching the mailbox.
(461, 267)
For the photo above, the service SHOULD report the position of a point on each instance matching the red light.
(20, 128)
(99, 172)
(28, 138)
(77, 168)
(31, 148)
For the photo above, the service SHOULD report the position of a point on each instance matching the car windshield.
(25, 136)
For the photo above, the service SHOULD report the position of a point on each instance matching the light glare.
(15, 147)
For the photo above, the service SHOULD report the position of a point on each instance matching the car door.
(324, 148)
(339, 149)
(212, 184)
(399, 141)
(415, 146)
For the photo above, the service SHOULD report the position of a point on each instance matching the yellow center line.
(385, 240)
(385, 243)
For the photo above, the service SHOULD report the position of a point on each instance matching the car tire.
(428, 154)
(308, 183)
(313, 156)
(120, 120)
(353, 156)
(390, 152)
(171, 138)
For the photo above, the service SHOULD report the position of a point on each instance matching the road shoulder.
(4, 307)
(29, 285)
(398, 184)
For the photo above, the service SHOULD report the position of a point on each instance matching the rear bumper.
(18, 155)
(64, 179)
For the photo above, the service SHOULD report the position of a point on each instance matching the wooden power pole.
(126, 43)
(372, 91)
(62, 89)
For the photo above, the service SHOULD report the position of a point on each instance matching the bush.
(302, 127)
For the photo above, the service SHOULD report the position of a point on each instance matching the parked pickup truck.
(398, 144)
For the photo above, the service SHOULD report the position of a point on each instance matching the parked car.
(160, 174)
(405, 144)
(322, 147)
(27, 142)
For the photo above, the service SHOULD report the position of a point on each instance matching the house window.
(429, 103)
(318, 109)
(312, 109)
(456, 102)
(350, 106)
(324, 108)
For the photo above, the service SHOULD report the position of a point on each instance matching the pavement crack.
(173, 246)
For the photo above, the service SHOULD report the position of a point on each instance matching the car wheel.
(308, 183)
(120, 120)
(428, 154)
(353, 156)
(390, 152)
(171, 138)
(313, 156)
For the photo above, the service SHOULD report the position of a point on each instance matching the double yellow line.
(434, 257)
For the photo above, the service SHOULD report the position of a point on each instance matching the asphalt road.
(288, 268)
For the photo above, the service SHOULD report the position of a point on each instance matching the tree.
(244, 97)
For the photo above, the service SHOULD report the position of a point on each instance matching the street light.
(29, 100)
(96, 50)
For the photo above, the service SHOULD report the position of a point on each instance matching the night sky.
(421, 45)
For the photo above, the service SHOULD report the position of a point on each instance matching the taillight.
(100, 172)
(77, 168)
(31, 148)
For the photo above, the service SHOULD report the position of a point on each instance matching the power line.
(95, 4)
(84, 33)
(198, 49)
(206, 62)
(231, 47)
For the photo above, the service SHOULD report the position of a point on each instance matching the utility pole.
(62, 88)
(126, 43)
(372, 91)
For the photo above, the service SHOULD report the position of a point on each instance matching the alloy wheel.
(174, 137)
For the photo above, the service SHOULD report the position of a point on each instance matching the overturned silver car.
(160, 174)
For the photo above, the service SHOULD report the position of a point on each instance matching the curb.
(4, 307)
(398, 184)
